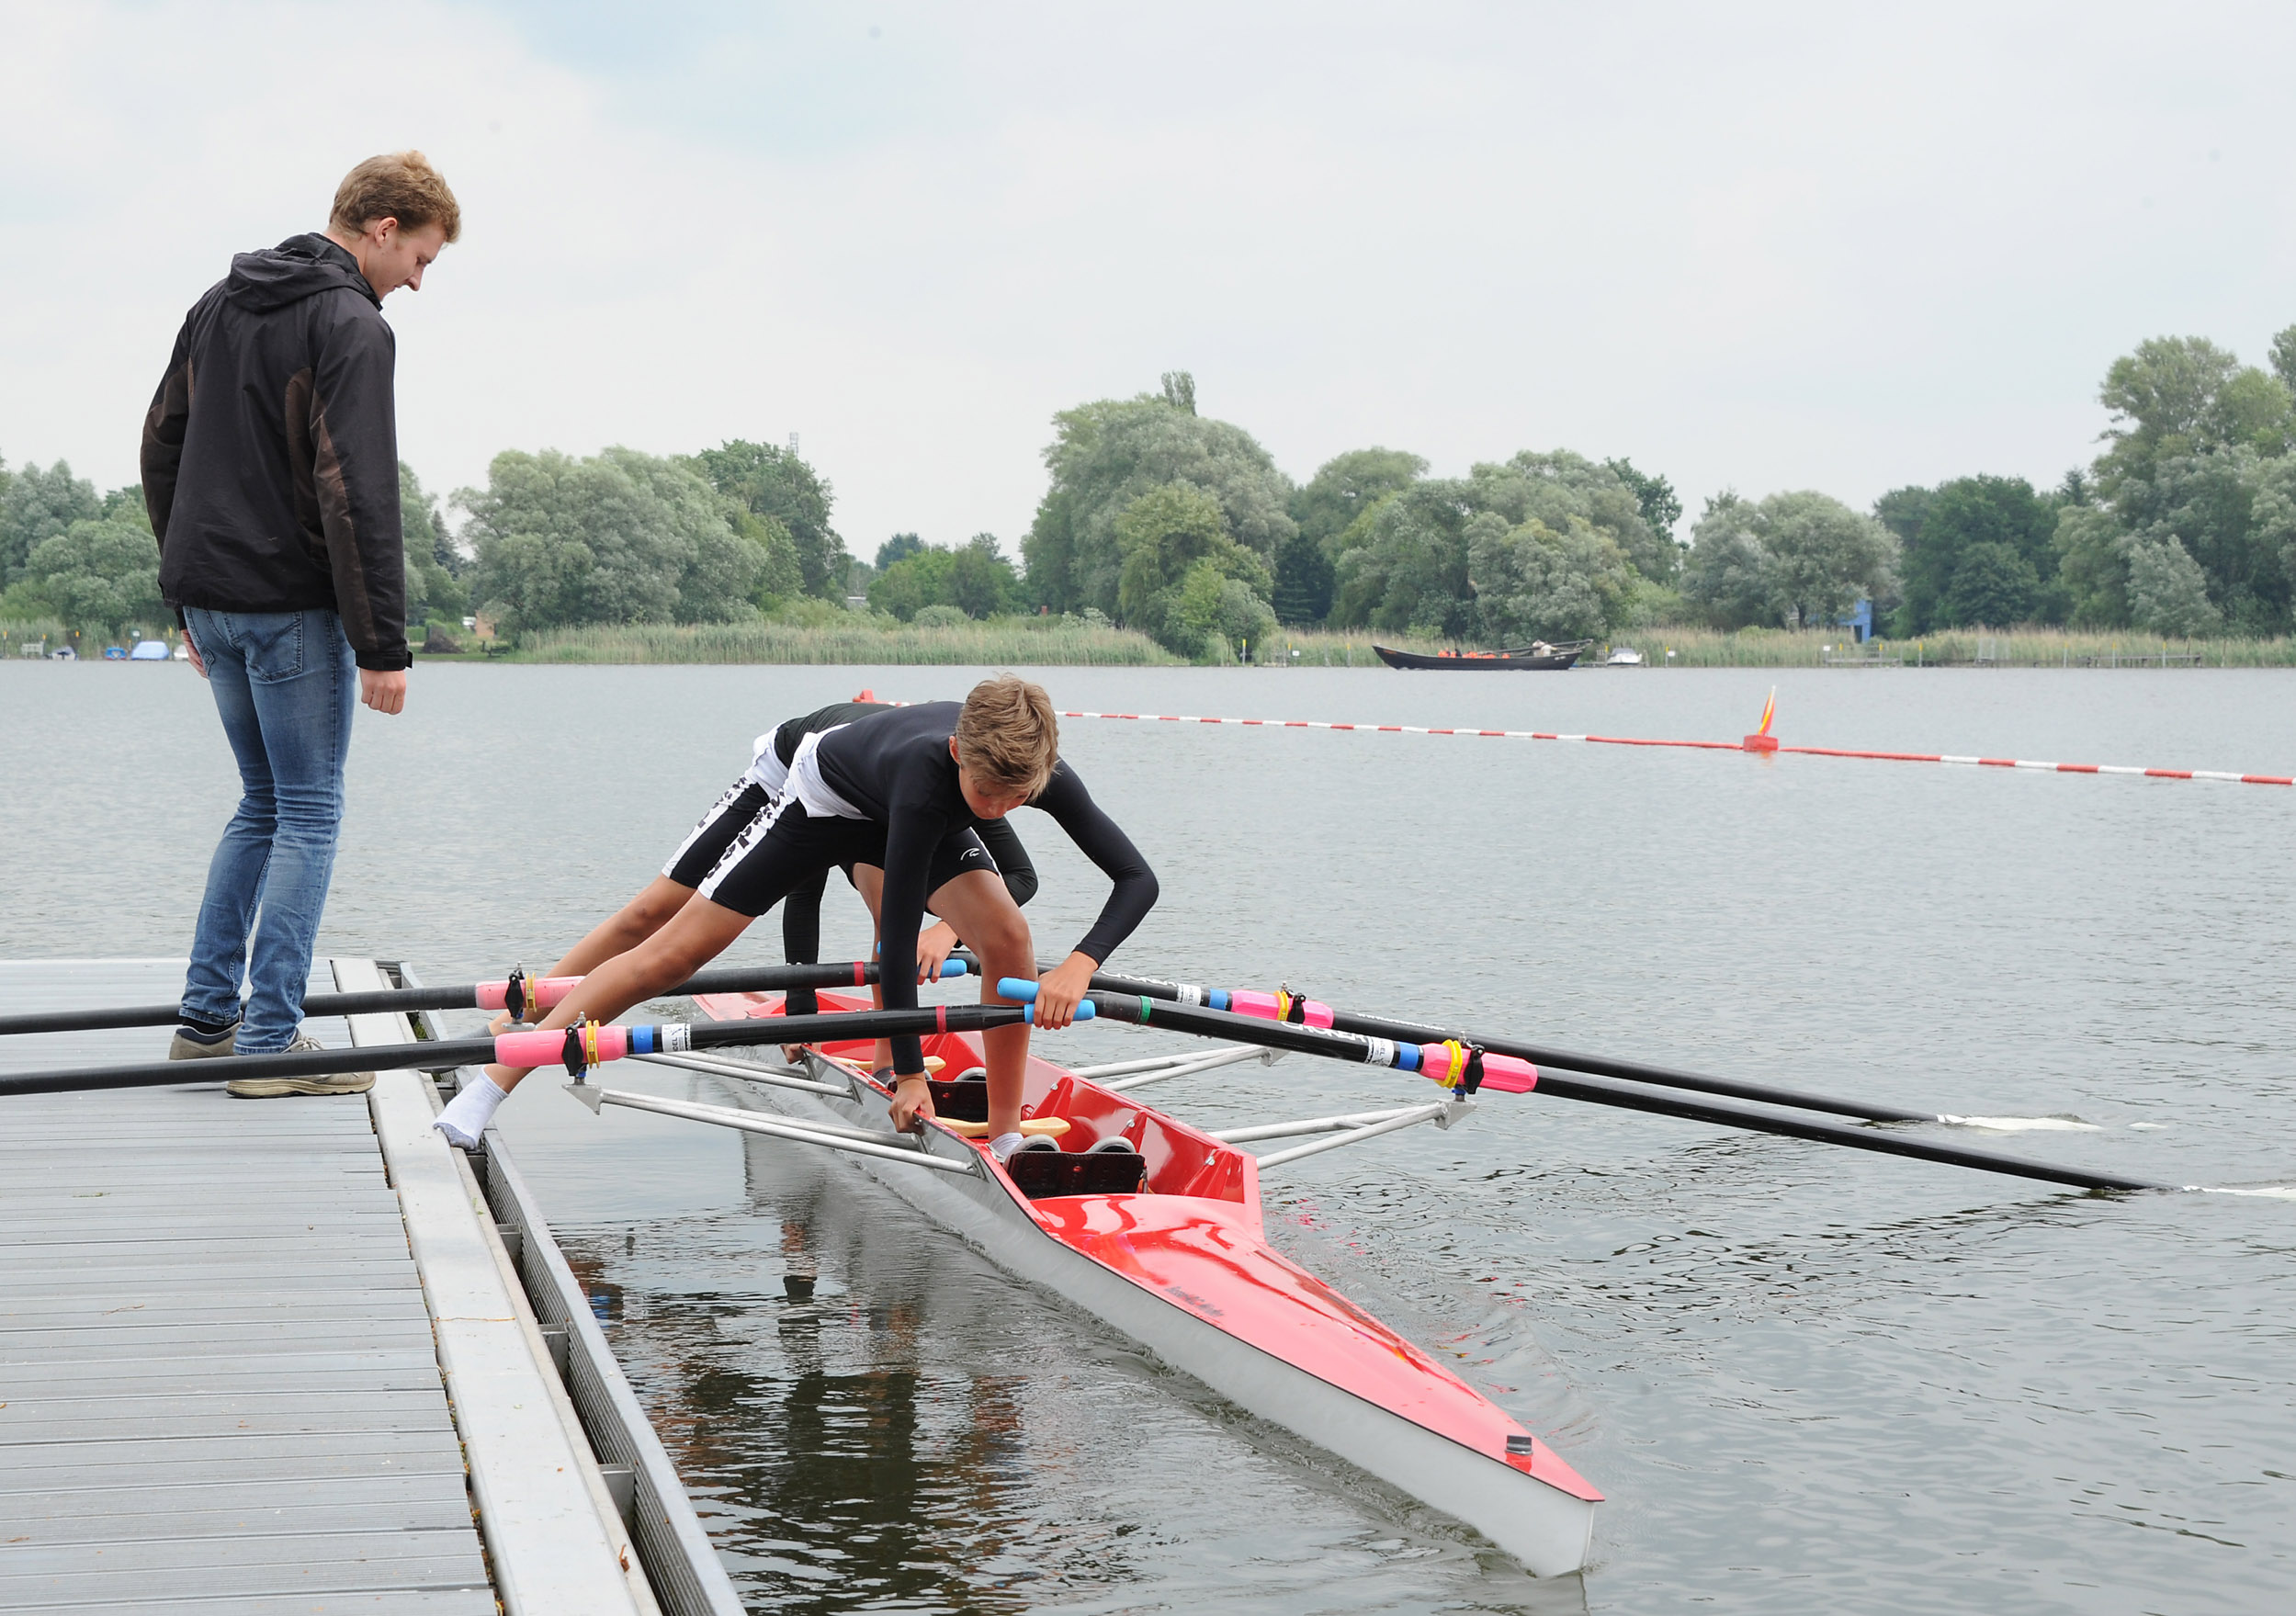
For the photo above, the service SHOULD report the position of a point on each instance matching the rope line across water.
(1819, 752)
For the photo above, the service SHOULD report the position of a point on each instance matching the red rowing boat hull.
(1196, 1247)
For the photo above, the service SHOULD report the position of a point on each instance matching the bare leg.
(697, 934)
(984, 914)
(635, 921)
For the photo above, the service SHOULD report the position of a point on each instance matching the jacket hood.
(298, 267)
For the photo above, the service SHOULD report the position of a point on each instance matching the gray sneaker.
(190, 1044)
(277, 1088)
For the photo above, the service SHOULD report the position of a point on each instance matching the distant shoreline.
(1017, 642)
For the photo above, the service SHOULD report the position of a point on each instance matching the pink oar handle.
(1251, 1001)
(547, 991)
(1503, 1072)
(533, 1049)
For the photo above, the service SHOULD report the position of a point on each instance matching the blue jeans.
(285, 683)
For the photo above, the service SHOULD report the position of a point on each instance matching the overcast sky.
(1760, 247)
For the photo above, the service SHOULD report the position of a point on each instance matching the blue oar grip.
(952, 968)
(1021, 992)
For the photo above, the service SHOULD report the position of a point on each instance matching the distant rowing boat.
(1536, 656)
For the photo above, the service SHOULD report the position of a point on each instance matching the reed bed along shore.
(1005, 643)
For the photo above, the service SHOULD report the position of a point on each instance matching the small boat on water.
(1155, 1226)
(1538, 656)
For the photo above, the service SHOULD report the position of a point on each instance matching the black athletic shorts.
(728, 858)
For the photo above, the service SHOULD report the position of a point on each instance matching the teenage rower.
(749, 795)
(904, 789)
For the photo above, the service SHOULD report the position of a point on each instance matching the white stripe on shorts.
(723, 806)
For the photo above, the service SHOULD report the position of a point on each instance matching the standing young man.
(271, 473)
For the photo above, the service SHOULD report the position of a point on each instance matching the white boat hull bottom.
(1547, 1530)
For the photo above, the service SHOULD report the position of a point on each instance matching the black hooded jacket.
(271, 449)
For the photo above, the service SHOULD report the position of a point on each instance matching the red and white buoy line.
(1754, 743)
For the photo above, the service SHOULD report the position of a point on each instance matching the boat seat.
(962, 1100)
(1040, 1173)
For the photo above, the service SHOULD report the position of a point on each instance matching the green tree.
(1661, 506)
(1967, 523)
(1993, 586)
(1728, 575)
(973, 580)
(2284, 357)
(435, 589)
(2168, 591)
(1324, 507)
(1303, 581)
(1163, 534)
(1347, 485)
(98, 576)
(898, 548)
(1824, 555)
(1107, 455)
(37, 505)
(2093, 566)
(1803, 554)
(620, 537)
(1533, 581)
(775, 483)
(1558, 486)
(1403, 564)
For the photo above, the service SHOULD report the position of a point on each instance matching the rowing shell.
(1186, 1270)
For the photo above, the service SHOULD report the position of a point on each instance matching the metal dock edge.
(674, 1551)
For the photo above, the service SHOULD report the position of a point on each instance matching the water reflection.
(926, 1434)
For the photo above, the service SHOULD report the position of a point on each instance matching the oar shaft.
(1151, 1011)
(460, 996)
(520, 1048)
(1540, 1055)
(1600, 1092)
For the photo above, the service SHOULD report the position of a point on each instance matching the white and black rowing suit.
(763, 781)
(883, 790)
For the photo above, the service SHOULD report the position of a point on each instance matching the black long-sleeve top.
(895, 768)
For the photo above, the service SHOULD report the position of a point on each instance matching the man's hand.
(1060, 991)
(198, 663)
(386, 693)
(934, 944)
(912, 1104)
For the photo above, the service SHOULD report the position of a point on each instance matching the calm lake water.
(1809, 1379)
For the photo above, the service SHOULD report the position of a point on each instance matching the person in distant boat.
(905, 789)
(271, 475)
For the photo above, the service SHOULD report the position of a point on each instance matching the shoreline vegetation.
(1164, 536)
(1018, 642)
(875, 640)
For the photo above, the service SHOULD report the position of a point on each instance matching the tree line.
(1181, 526)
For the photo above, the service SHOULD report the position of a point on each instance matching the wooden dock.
(270, 1356)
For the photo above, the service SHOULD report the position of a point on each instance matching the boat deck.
(229, 1331)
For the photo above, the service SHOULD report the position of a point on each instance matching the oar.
(1286, 1006)
(528, 994)
(578, 1047)
(1146, 1010)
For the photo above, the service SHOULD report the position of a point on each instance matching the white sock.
(468, 1112)
(1003, 1145)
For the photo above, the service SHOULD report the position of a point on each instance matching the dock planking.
(219, 1388)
